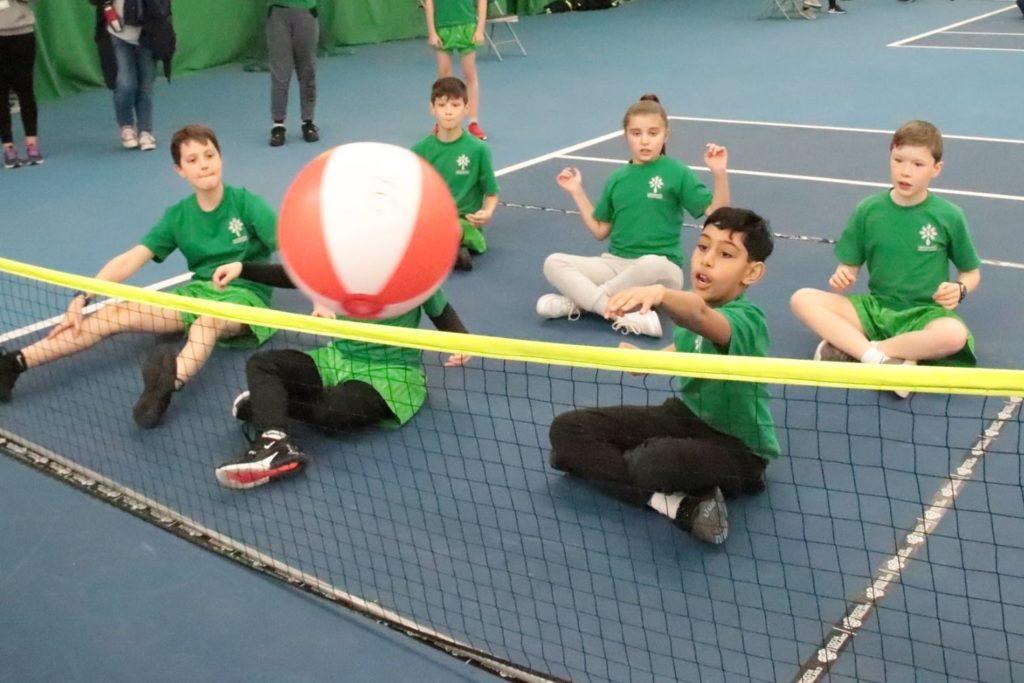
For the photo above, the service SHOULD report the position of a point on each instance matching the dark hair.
(757, 237)
(919, 134)
(647, 104)
(193, 132)
(450, 87)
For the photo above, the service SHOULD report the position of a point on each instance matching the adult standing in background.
(136, 70)
(17, 66)
(293, 33)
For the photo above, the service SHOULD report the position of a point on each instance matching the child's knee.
(554, 264)
(950, 335)
(804, 298)
(658, 270)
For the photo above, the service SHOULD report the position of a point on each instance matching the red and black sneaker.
(272, 457)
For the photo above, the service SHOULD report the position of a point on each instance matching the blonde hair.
(919, 134)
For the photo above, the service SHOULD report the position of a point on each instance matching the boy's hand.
(947, 295)
(642, 299)
(72, 319)
(478, 37)
(321, 311)
(843, 278)
(456, 360)
(480, 218)
(226, 273)
(716, 157)
(433, 40)
(570, 179)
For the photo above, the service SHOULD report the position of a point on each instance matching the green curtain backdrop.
(214, 32)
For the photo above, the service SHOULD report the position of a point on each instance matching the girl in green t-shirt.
(640, 210)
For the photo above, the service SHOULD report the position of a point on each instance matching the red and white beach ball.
(369, 230)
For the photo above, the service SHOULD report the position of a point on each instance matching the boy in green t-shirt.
(465, 164)
(907, 236)
(215, 225)
(457, 26)
(681, 458)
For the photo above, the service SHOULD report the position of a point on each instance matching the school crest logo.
(463, 163)
(928, 236)
(656, 184)
(237, 228)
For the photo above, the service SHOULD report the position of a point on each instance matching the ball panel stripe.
(370, 194)
(301, 239)
(434, 243)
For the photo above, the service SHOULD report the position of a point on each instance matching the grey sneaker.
(706, 518)
(826, 351)
(11, 159)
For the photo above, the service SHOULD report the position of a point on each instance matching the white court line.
(49, 322)
(842, 129)
(962, 47)
(820, 179)
(986, 33)
(902, 43)
(844, 630)
(42, 324)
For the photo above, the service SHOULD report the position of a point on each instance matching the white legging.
(590, 280)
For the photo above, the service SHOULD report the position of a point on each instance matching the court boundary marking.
(904, 42)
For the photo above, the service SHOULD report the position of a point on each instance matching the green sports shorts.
(472, 237)
(881, 322)
(458, 39)
(255, 335)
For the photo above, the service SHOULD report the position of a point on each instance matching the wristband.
(84, 295)
(963, 292)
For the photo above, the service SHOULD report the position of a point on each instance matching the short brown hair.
(919, 134)
(193, 132)
(450, 87)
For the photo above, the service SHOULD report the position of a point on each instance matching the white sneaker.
(147, 143)
(638, 323)
(900, 393)
(128, 138)
(557, 306)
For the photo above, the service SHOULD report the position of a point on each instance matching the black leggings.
(286, 383)
(17, 62)
(632, 452)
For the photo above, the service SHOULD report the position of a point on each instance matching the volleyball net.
(888, 541)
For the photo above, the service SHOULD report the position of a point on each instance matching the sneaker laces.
(626, 325)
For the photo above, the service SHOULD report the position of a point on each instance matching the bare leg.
(108, 321)
(472, 84)
(202, 338)
(832, 317)
(444, 63)
(939, 339)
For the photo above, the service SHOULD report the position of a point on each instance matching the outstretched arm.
(448, 321)
(685, 308)
(272, 274)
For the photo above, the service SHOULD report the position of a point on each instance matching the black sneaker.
(241, 410)
(272, 457)
(277, 135)
(464, 260)
(836, 10)
(10, 368)
(706, 518)
(310, 133)
(159, 373)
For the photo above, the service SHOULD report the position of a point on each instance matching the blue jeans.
(133, 92)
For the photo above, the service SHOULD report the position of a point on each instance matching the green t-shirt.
(740, 409)
(645, 202)
(907, 249)
(454, 13)
(383, 355)
(301, 4)
(243, 227)
(465, 164)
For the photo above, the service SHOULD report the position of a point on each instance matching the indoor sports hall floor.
(802, 107)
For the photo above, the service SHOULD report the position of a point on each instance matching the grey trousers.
(590, 280)
(292, 38)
